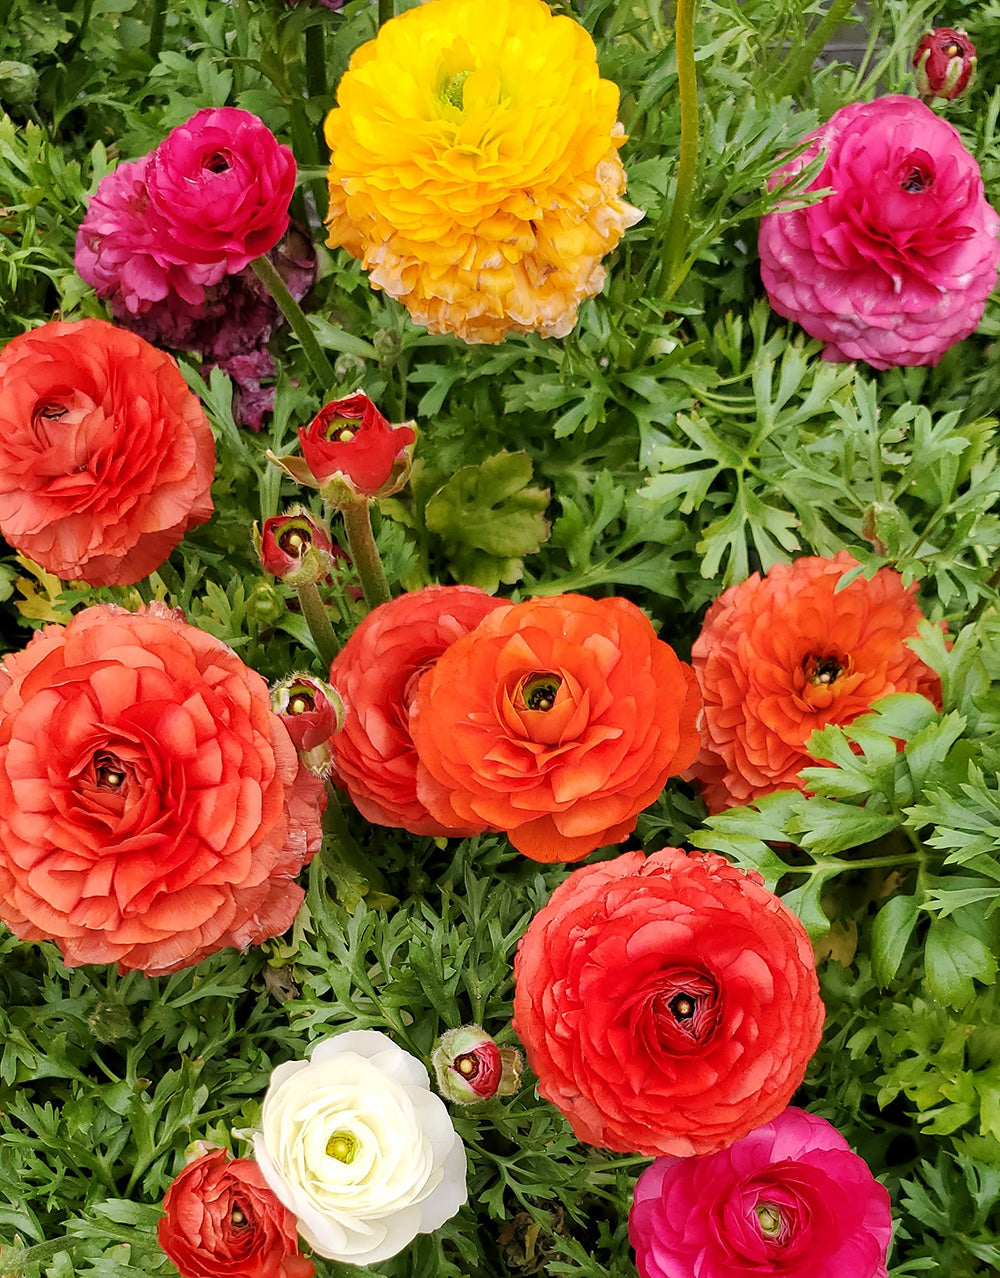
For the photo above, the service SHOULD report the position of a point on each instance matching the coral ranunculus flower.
(152, 807)
(790, 1200)
(106, 457)
(557, 720)
(222, 1220)
(668, 1005)
(894, 266)
(474, 167)
(782, 655)
(376, 673)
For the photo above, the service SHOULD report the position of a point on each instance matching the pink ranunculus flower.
(219, 187)
(894, 266)
(790, 1200)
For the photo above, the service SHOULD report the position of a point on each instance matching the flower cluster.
(474, 167)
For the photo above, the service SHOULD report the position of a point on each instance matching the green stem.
(364, 552)
(318, 621)
(798, 64)
(340, 847)
(675, 240)
(269, 276)
(386, 10)
(315, 62)
(156, 28)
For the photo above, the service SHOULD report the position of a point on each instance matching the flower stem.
(315, 62)
(675, 239)
(797, 65)
(269, 276)
(340, 850)
(318, 621)
(364, 552)
(386, 10)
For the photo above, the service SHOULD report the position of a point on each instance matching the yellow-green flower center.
(342, 1146)
(539, 693)
(770, 1219)
(453, 89)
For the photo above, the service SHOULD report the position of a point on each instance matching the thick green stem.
(155, 28)
(269, 276)
(364, 552)
(340, 848)
(798, 64)
(386, 10)
(318, 621)
(675, 240)
(315, 62)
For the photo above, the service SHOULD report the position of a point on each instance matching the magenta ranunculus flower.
(790, 1200)
(219, 187)
(894, 266)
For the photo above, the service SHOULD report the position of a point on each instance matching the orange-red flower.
(152, 806)
(557, 720)
(106, 458)
(782, 655)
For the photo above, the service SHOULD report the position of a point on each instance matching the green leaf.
(825, 826)
(890, 932)
(953, 958)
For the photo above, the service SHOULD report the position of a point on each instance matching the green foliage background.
(680, 438)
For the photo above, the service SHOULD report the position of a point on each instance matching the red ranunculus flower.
(782, 655)
(557, 720)
(106, 458)
(668, 1005)
(223, 1220)
(295, 548)
(944, 64)
(219, 188)
(790, 1200)
(376, 674)
(152, 806)
(350, 443)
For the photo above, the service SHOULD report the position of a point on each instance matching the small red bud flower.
(295, 548)
(350, 452)
(944, 64)
(470, 1067)
(309, 708)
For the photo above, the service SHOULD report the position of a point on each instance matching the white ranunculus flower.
(359, 1148)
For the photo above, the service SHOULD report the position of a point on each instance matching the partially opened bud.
(944, 64)
(470, 1067)
(295, 548)
(309, 708)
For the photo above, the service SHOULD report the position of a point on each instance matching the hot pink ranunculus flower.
(894, 266)
(790, 1200)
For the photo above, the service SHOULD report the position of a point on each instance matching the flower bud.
(18, 84)
(944, 64)
(295, 548)
(470, 1067)
(310, 709)
(351, 452)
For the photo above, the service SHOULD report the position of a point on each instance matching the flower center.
(686, 1008)
(108, 772)
(951, 49)
(342, 1146)
(238, 1218)
(292, 542)
(539, 693)
(770, 1219)
(453, 89)
(217, 162)
(467, 1064)
(821, 670)
(916, 179)
(682, 1006)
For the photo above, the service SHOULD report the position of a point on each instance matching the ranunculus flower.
(944, 64)
(295, 547)
(668, 1005)
(790, 1200)
(474, 167)
(222, 1220)
(309, 708)
(557, 720)
(894, 266)
(106, 458)
(219, 188)
(376, 673)
(782, 655)
(470, 1067)
(359, 1148)
(152, 806)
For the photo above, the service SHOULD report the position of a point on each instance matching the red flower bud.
(470, 1067)
(944, 64)
(295, 548)
(309, 708)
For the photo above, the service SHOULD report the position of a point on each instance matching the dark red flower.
(295, 548)
(944, 64)
(223, 1220)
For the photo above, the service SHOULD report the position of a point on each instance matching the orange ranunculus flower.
(106, 457)
(782, 655)
(557, 720)
(153, 808)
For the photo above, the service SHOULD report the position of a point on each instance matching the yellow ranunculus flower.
(474, 167)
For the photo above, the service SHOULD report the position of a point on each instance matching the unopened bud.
(294, 547)
(944, 64)
(310, 709)
(470, 1067)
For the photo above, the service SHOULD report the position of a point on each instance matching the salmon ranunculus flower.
(474, 167)
(557, 720)
(153, 809)
(668, 1004)
(106, 457)
(782, 655)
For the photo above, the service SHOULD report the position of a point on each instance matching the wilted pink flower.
(219, 188)
(894, 266)
(790, 1200)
